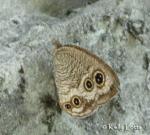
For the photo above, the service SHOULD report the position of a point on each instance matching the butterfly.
(84, 81)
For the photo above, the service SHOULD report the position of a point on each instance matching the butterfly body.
(83, 80)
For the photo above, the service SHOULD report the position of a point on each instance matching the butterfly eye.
(76, 101)
(99, 78)
(88, 84)
(67, 106)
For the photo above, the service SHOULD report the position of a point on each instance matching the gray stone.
(116, 30)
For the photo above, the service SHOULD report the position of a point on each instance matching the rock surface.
(116, 30)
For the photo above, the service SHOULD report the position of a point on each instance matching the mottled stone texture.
(116, 30)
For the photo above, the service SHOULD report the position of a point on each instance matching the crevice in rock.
(146, 62)
(136, 29)
(51, 108)
(60, 8)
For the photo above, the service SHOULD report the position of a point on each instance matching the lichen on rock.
(118, 31)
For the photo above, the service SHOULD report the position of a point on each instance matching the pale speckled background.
(116, 30)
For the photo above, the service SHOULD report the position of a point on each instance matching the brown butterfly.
(84, 81)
